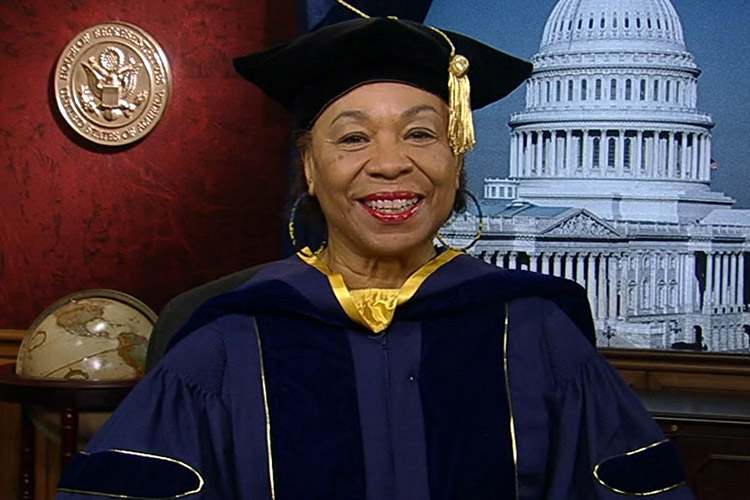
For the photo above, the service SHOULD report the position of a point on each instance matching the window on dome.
(658, 23)
(570, 90)
(614, 21)
(627, 153)
(570, 25)
(579, 150)
(627, 22)
(591, 23)
(602, 22)
(580, 23)
(613, 89)
(638, 22)
(667, 88)
(558, 90)
(655, 95)
(583, 89)
(677, 92)
(645, 161)
(628, 89)
(648, 22)
(642, 94)
(548, 92)
(611, 152)
(598, 89)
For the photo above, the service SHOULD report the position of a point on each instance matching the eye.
(353, 139)
(421, 135)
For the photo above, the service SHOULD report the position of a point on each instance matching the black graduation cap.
(310, 72)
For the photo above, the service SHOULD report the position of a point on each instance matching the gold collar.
(374, 307)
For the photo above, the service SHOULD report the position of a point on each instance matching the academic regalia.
(484, 385)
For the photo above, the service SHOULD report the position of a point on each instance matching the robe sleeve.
(603, 443)
(172, 435)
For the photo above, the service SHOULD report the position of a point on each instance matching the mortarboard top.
(310, 72)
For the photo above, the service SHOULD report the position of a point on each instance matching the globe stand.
(69, 397)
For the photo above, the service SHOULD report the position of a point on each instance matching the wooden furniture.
(702, 403)
(66, 396)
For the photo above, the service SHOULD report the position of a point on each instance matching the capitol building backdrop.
(610, 164)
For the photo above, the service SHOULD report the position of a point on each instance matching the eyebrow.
(361, 115)
(418, 109)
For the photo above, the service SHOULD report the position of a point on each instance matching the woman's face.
(382, 168)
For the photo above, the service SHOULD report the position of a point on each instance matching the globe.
(88, 335)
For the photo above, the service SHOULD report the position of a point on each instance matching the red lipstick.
(392, 207)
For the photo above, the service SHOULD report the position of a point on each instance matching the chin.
(399, 246)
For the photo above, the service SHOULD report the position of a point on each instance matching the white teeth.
(392, 206)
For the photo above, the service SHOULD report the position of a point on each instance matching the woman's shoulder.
(207, 356)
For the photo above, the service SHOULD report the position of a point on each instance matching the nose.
(388, 160)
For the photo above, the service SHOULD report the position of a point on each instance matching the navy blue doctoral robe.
(486, 385)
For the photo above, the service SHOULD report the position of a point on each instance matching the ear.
(309, 168)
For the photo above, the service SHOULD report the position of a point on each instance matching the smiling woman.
(382, 169)
(380, 366)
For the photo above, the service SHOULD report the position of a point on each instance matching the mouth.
(392, 206)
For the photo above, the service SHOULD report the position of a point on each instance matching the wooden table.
(66, 396)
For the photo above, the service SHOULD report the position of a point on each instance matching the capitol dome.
(601, 25)
(612, 100)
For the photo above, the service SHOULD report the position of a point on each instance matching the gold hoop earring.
(480, 226)
(291, 223)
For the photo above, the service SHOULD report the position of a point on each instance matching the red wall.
(199, 197)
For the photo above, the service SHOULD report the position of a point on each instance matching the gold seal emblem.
(112, 83)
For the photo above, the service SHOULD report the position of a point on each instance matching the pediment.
(580, 224)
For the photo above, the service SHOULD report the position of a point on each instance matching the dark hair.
(310, 223)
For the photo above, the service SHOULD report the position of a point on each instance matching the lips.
(392, 207)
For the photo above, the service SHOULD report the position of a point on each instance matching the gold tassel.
(460, 123)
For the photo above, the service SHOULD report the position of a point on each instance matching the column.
(552, 165)
(612, 279)
(602, 287)
(656, 143)
(694, 157)
(683, 157)
(585, 162)
(671, 161)
(579, 269)
(568, 167)
(690, 283)
(591, 282)
(723, 297)
(539, 150)
(545, 263)
(708, 157)
(512, 260)
(557, 265)
(602, 150)
(654, 298)
(732, 299)
(638, 165)
(569, 266)
(716, 282)
(513, 166)
(708, 293)
(620, 157)
(527, 153)
(741, 280)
